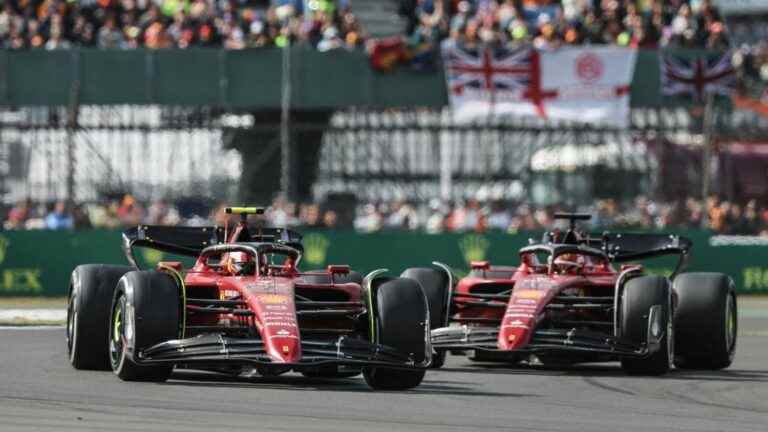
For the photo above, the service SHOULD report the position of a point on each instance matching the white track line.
(33, 315)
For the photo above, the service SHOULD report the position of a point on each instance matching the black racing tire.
(638, 295)
(155, 318)
(90, 296)
(435, 284)
(401, 320)
(706, 321)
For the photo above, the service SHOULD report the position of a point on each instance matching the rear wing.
(628, 247)
(190, 241)
(179, 240)
(276, 235)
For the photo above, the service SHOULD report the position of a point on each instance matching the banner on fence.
(39, 263)
(589, 85)
(695, 76)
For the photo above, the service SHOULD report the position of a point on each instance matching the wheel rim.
(730, 324)
(71, 326)
(116, 335)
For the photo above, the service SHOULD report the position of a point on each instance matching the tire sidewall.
(639, 294)
(702, 320)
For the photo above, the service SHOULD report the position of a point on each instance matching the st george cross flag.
(697, 76)
(589, 85)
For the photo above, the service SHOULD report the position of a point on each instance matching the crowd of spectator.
(548, 24)
(719, 216)
(127, 24)
(329, 24)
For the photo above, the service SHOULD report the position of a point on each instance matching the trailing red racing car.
(244, 308)
(567, 303)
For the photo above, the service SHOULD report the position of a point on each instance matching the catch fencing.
(418, 155)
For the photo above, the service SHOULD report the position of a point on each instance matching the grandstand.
(201, 110)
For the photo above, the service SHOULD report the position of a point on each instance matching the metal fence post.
(285, 123)
(72, 111)
(706, 162)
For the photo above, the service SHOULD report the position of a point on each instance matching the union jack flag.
(495, 74)
(697, 76)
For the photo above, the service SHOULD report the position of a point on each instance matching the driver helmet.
(239, 263)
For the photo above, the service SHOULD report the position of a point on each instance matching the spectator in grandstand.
(330, 219)
(80, 218)
(57, 41)
(309, 215)
(17, 216)
(130, 212)
(158, 24)
(368, 219)
(58, 218)
(548, 24)
(498, 218)
(160, 213)
(110, 37)
(723, 217)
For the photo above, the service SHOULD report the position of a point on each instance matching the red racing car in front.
(244, 308)
(566, 302)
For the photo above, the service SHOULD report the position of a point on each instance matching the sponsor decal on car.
(528, 294)
(525, 301)
(520, 315)
(521, 308)
(228, 294)
(521, 325)
(274, 299)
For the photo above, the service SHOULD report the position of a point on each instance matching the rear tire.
(435, 284)
(706, 321)
(153, 318)
(90, 297)
(402, 321)
(638, 296)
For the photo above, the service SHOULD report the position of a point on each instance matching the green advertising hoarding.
(38, 263)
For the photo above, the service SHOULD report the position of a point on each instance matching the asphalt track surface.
(40, 391)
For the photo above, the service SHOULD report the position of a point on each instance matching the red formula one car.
(244, 308)
(566, 302)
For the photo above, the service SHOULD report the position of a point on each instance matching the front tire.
(639, 295)
(145, 312)
(402, 323)
(90, 296)
(706, 321)
(436, 286)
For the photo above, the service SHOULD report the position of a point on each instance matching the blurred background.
(446, 120)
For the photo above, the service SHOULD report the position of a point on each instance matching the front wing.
(214, 349)
(551, 340)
